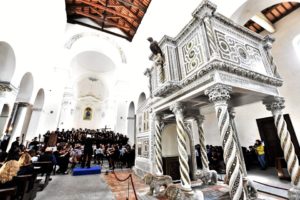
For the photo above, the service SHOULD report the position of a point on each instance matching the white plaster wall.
(170, 143)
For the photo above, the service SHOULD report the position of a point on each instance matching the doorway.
(268, 134)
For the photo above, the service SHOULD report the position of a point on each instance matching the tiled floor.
(121, 190)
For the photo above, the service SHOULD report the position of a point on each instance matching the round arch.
(131, 123)
(7, 62)
(36, 114)
(25, 88)
(251, 7)
(142, 99)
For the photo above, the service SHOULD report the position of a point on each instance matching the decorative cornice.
(238, 27)
(167, 88)
(277, 104)
(206, 8)
(23, 104)
(218, 92)
(6, 87)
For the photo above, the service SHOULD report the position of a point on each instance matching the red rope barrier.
(131, 180)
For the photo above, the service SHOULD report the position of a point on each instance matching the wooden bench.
(8, 193)
(44, 168)
(23, 186)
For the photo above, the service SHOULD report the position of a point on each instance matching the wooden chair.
(8, 193)
(46, 168)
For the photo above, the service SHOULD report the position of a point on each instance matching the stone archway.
(7, 62)
(142, 99)
(3, 118)
(36, 114)
(20, 116)
(131, 123)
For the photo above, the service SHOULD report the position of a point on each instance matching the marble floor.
(68, 187)
(267, 181)
(106, 186)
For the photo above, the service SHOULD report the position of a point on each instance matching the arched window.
(87, 115)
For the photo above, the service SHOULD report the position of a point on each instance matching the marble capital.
(218, 93)
(276, 105)
(177, 108)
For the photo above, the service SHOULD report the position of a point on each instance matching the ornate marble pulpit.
(212, 64)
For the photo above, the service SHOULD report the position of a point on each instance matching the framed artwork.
(87, 114)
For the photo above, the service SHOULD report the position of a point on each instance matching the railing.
(129, 178)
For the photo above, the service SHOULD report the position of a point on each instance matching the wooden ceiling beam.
(97, 11)
(107, 9)
(126, 2)
(98, 19)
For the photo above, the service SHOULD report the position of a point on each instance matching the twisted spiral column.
(158, 148)
(210, 36)
(204, 159)
(177, 109)
(237, 141)
(219, 95)
(285, 140)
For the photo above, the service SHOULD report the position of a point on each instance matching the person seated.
(25, 164)
(7, 173)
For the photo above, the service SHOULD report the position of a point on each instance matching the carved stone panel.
(143, 147)
(240, 52)
(191, 52)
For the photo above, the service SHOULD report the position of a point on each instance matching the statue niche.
(87, 114)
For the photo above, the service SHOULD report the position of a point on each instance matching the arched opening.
(3, 118)
(170, 151)
(36, 114)
(21, 114)
(142, 99)
(7, 62)
(26, 88)
(131, 132)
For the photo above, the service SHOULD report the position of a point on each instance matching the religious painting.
(87, 114)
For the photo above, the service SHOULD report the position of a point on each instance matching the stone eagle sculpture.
(154, 47)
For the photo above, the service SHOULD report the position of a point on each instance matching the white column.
(32, 130)
(18, 123)
(177, 109)
(219, 94)
(236, 138)
(158, 146)
(203, 152)
(276, 106)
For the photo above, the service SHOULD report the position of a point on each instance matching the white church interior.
(149, 99)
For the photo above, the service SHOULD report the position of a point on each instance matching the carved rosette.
(285, 139)
(202, 143)
(219, 95)
(177, 109)
(158, 148)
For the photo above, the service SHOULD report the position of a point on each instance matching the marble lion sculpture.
(250, 189)
(173, 192)
(155, 182)
(207, 176)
